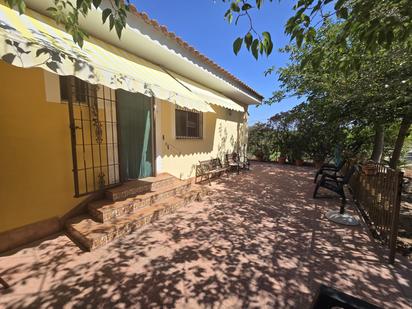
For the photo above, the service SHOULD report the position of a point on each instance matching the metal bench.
(210, 168)
(233, 161)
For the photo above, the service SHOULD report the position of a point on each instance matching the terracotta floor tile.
(260, 241)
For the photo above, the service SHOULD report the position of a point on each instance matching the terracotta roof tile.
(193, 51)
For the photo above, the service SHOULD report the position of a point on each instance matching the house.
(79, 122)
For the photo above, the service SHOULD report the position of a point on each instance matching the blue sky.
(201, 23)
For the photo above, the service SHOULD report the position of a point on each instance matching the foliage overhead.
(376, 23)
(68, 13)
(379, 84)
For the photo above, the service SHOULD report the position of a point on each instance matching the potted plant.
(318, 160)
(281, 135)
(296, 146)
(259, 155)
(283, 154)
(318, 163)
(319, 153)
(299, 162)
(282, 159)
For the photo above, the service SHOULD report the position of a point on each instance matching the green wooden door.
(135, 119)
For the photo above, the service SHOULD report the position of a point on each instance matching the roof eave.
(145, 38)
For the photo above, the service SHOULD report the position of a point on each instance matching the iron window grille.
(81, 89)
(93, 124)
(188, 124)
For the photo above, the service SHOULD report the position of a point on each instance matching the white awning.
(208, 95)
(31, 40)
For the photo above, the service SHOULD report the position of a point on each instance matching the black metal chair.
(336, 184)
(328, 298)
(329, 168)
(234, 161)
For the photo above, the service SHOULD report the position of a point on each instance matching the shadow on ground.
(260, 241)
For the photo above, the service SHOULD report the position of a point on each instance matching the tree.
(376, 23)
(261, 141)
(369, 90)
(283, 125)
(306, 132)
(366, 27)
(402, 135)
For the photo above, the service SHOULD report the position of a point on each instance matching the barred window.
(188, 124)
(82, 89)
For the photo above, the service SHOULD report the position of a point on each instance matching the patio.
(259, 241)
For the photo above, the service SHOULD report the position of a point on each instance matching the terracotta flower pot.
(259, 156)
(318, 163)
(299, 162)
(282, 160)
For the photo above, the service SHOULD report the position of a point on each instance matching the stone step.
(92, 235)
(139, 186)
(104, 210)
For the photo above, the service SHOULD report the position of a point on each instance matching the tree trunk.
(403, 132)
(378, 143)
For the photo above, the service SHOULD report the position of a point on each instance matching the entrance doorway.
(135, 117)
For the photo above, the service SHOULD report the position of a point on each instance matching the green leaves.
(342, 13)
(267, 43)
(248, 40)
(259, 3)
(246, 7)
(254, 48)
(349, 88)
(106, 13)
(117, 18)
(256, 45)
(376, 23)
(19, 4)
(237, 44)
(67, 13)
(229, 16)
(97, 3)
(234, 7)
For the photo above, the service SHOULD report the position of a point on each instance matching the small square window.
(188, 124)
(82, 90)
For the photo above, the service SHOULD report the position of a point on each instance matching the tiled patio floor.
(261, 241)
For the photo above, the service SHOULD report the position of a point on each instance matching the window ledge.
(188, 137)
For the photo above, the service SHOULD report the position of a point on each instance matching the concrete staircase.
(130, 206)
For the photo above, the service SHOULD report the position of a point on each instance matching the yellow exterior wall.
(223, 132)
(36, 180)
